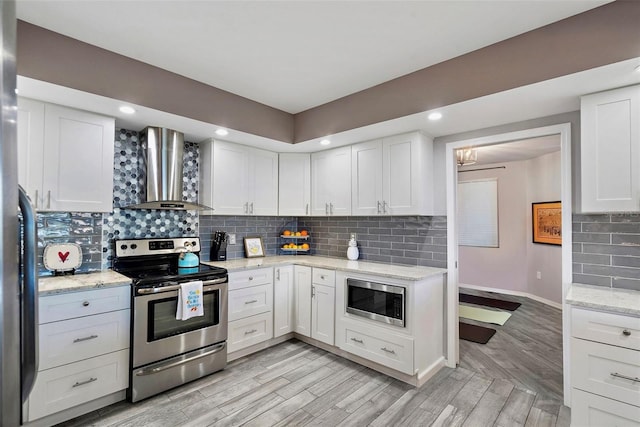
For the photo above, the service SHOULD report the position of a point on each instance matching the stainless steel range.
(166, 352)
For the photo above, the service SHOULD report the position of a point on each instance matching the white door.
(263, 185)
(366, 182)
(302, 278)
(323, 313)
(31, 148)
(283, 301)
(78, 160)
(294, 177)
(230, 178)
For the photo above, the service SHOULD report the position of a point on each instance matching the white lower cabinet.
(283, 301)
(83, 349)
(605, 369)
(250, 308)
(315, 303)
(392, 350)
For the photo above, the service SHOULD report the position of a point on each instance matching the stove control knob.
(123, 247)
(193, 243)
(133, 246)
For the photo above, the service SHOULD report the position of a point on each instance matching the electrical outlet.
(538, 275)
(232, 239)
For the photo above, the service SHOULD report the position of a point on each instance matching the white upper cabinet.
(330, 179)
(294, 184)
(238, 180)
(65, 157)
(393, 176)
(610, 151)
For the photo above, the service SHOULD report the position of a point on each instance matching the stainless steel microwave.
(376, 301)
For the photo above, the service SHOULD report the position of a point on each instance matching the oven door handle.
(145, 291)
(169, 365)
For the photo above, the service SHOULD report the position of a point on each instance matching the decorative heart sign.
(62, 257)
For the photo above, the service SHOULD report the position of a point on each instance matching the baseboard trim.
(514, 293)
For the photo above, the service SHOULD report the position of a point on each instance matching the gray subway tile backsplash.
(606, 250)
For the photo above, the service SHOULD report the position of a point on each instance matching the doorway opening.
(561, 131)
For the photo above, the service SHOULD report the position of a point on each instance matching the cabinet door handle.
(246, 207)
(79, 383)
(306, 210)
(36, 199)
(386, 350)
(251, 302)
(313, 291)
(331, 208)
(49, 199)
(384, 206)
(378, 206)
(251, 208)
(617, 375)
(626, 332)
(278, 274)
(253, 331)
(326, 208)
(357, 340)
(90, 337)
(85, 303)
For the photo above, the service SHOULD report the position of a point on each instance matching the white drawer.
(81, 338)
(249, 331)
(390, 350)
(590, 410)
(86, 303)
(250, 301)
(614, 329)
(594, 365)
(322, 276)
(71, 385)
(246, 278)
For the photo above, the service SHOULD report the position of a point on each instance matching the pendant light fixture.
(466, 156)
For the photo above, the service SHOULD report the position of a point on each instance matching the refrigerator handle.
(29, 297)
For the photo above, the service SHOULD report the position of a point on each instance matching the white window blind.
(478, 213)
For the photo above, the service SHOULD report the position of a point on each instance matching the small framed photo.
(547, 223)
(253, 247)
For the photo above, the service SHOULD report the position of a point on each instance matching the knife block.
(219, 253)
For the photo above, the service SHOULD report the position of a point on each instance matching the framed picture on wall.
(547, 223)
(253, 247)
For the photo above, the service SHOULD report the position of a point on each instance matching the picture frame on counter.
(547, 223)
(253, 247)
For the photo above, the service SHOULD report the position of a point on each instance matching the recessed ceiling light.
(127, 110)
(435, 116)
(325, 142)
(222, 132)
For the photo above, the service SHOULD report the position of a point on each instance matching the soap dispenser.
(352, 251)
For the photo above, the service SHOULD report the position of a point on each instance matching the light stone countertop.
(395, 271)
(622, 301)
(51, 285)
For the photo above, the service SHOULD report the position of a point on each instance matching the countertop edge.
(621, 301)
(55, 285)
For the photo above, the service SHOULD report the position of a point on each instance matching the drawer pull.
(322, 276)
(357, 340)
(86, 304)
(253, 331)
(250, 277)
(251, 302)
(626, 332)
(90, 337)
(90, 380)
(386, 350)
(624, 377)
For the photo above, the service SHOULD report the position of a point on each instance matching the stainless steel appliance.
(166, 352)
(19, 286)
(376, 301)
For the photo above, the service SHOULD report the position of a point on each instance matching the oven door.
(376, 301)
(158, 335)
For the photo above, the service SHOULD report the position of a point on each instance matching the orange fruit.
(304, 233)
(286, 233)
(305, 246)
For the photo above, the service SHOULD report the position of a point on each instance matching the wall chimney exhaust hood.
(162, 156)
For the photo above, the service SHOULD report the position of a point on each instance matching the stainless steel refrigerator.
(18, 289)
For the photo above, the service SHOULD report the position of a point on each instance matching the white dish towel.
(190, 300)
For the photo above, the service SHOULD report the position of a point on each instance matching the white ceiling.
(294, 55)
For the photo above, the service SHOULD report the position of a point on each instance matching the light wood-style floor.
(514, 380)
